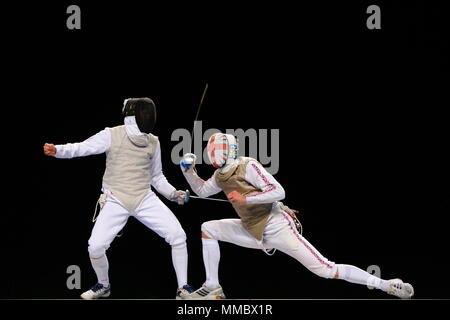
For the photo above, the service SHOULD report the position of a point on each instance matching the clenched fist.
(49, 149)
(188, 161)
(179, 196)
(236, 197)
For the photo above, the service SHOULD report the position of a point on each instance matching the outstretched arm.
(98, 143)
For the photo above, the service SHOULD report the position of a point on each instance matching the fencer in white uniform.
(133, 165)
(265, 223)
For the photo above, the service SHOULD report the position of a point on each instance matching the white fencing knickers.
(280, 233)
(152, 212)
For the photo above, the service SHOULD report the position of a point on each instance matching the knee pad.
(96, 251)
(176, 238)
(207, 228)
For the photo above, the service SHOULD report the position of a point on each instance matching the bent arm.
(159, 180)
(98, 143)
(271, 189)
(201, 187)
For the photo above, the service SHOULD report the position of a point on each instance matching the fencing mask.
(222, 149)
(144, 111)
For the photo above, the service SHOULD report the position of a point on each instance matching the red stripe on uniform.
(313, 252)
(263, 177)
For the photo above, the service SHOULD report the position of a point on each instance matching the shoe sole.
(207, 298)
(215, 297)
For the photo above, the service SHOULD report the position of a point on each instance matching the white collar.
(131, 126)
(229, 165)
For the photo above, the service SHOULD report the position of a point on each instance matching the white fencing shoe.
(400, 289)
(183, 293)
(205, 293)
(97, 291)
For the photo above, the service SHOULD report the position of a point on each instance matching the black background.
(363, 138)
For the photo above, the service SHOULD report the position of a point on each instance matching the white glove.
(179, 196)
(188, 162)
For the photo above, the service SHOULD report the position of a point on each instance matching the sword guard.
(187, 197)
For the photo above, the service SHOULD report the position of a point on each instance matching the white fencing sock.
(101, 267)
(211, 258)
(356, 275)
(180, 263)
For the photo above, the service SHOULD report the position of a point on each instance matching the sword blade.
(211, 199)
